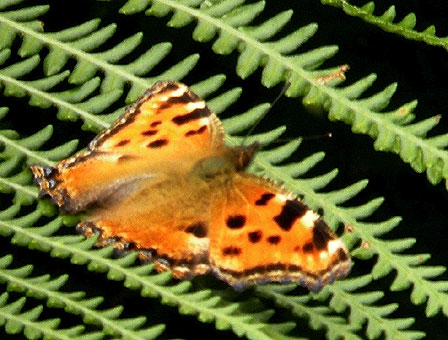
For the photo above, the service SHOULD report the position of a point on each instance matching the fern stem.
(396, 130)
(37, 327)
(76, 52)
(406, 31)
(318, 316)
(30, 191)
(25, 151)
(70, 304)
(56, 101)
(371, 313)
(240, 34)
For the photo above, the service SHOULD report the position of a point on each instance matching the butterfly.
(162, 182)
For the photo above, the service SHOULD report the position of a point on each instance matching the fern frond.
(319, 316)
(26, 16)
(15, 320)
(80, 42)
(39, 95)
(17, 183)
(43, 287)
(14, 150)
(230, 19)
(405, 27)
(29, 147)
(362, 309)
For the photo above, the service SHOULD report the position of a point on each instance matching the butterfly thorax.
(226, 162)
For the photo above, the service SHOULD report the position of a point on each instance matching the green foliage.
(405, 27)
(43, 287)
(15, 320)
(81, 76)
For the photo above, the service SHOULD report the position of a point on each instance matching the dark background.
(421, 72)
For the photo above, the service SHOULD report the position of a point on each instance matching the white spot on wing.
(175, 93)
(308, 219)
(199, 244)
(280, 197)
(204, 121)
(334, 245)
(194, 105)
(110, 157)
(323, 255)
(179, 92)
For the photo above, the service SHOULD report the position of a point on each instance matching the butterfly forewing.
(163, 133)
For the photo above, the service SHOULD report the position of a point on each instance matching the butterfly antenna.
(282, 92)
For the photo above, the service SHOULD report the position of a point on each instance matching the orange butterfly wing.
(167, 129)
(261, 233)
(165, 222)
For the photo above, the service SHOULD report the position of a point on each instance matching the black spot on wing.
(321, 235)
(149, 132)
(134, 110)
(342, 254)
(49, 171)
(124, 158)
(291, 211)
(196, 132)
(193, 115)
(123, 142)
(167, 87)
(275, 239)
(265, 198)
(275, 267)
(198, 229)
(157, 143)
(186, 98)
(156, 123)
(308, 247)
(236, 221)
(255, 236)
(232, 251)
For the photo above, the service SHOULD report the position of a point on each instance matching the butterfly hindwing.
(262, 233)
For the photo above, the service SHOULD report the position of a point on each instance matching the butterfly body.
(162, 182)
